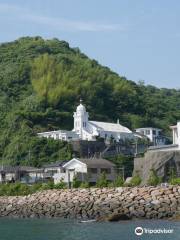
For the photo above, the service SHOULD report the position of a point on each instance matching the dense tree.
(41, 82)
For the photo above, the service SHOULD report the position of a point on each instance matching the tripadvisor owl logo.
(139, 231)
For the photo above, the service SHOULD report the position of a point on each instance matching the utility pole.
(69, 184)
(29, 156)
(136, 147)
(123, 173)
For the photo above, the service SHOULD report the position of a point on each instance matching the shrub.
(84, 185)
(14, 189)
(135, 181)
(175, 181)
(44, 186)
(102, 181)
(60, 185)
(153, 178)
(36, 187)
(76, 183)
(111, 185)
(118, 182)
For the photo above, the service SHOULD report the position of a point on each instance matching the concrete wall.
(161, 161)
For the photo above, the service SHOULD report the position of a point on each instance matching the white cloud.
(57, 23)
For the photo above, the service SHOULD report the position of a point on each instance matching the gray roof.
(97, 162)
(55, 164)
(30, 169)
(12, 169)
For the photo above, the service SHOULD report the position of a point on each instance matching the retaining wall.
(144, 202)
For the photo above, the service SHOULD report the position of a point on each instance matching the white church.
(90, 130)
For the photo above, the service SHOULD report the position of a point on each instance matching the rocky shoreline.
(94, 203)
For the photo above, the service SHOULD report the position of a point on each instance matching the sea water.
(64, 229)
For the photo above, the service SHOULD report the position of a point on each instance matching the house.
(175, 146)
(53, 168)
(85, 170)
(84, 129)
(154, 135)
(24, 174)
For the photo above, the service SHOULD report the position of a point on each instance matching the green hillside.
(41, 82)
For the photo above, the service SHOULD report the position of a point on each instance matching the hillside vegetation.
(41, 82)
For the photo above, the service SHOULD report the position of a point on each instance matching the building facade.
(85, 170)
(154, 135)
(176, 134)
(90, 130)
(23, 174)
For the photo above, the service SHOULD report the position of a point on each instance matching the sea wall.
(144, 202)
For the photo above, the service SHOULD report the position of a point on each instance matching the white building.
(24, 174)
(176, 134)
(85, 170)
(176, 140)
(90, 130)
(153, 134)
(61, 135)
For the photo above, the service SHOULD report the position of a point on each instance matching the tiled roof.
(97, 162)
(55, 164)
(18, 168)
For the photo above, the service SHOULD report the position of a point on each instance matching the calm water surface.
(60, 229)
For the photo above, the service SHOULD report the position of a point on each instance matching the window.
(160, 133)
(106, 170)
(142, 132)
(154, 132)
(93, 170)
(147, 132)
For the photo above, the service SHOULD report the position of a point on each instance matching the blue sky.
(139, 39)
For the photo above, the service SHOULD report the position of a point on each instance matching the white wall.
(77, 167)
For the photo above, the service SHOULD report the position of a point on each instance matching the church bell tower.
(80, 119)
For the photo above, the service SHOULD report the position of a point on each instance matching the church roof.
(111, 127)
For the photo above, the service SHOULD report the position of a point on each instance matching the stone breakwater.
(144, 202)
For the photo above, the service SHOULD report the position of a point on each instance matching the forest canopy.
(41, 82)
